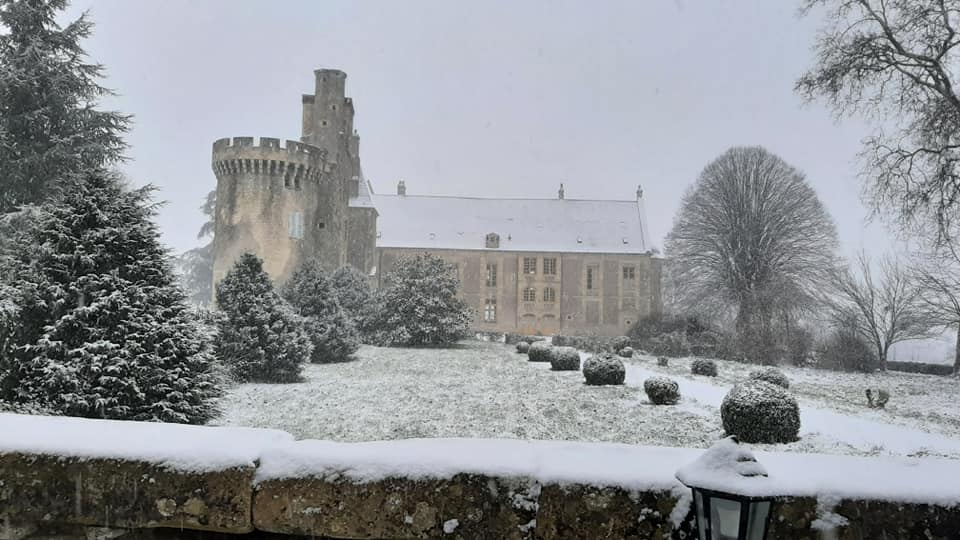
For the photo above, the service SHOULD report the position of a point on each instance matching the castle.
(544, 266)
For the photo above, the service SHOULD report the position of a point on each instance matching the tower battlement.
(297, 162)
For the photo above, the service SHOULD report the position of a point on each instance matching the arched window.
(530, 294)
(493, 241)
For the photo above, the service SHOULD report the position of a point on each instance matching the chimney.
(401, 188)
(639, 192)
(560, 193)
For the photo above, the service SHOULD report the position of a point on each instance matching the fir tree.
(332, 333)
(103, 329)
(260, 338)
(356, 297)
(420, 304)
(196, 265)
(50, 127)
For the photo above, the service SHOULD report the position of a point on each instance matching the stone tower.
(297, 200)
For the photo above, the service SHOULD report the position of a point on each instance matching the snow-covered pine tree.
(104, 331)
(196, 265)
(311, 294)
(259, 336)
(420, 304)
(50, 127)
(355, 296)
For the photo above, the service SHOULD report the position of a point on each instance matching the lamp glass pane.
(757, 520)
(701, 523)
(724, 519)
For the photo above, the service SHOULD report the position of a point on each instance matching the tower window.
(490, 310)
(296, 225)
(549, 266)
(491, 274)
(529, 294)
(529, 265)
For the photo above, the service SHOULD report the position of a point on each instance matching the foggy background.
(498, 99)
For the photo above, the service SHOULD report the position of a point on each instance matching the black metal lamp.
(731, 493)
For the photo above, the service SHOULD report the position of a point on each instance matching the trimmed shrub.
(919, 367)
(619, 343)
(662, 361)
(771, 375)
(662, 390)
(512, 338)
(565, 359)
(604, 368)
(540, 351)
(331, 330)
(760, 412)
(703, 366)
(626, 352)
(523, 347)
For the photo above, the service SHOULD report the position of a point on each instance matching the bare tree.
(895, 61)
(937, 273)
(883, 309)
(751, 237)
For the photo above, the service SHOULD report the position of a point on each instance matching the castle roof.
(555, 225)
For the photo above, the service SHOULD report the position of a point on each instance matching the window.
(529, 265)
(529, 294)
(549, 294)
(493, 240)
(550, 266)
(295, 225)
(629, 272)
(592, 278)
(491, 274)
(490, 310)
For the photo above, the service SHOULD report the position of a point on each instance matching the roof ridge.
(479, 198)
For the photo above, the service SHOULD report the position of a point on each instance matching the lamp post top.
(727, 467)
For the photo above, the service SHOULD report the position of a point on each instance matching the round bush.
(771, 375)
(662, 390)
(565, 359)
(703, 366)
(523, 347)
(620, 342)
(604, 368)
(760, 412)
(626, 352)
(539, 351)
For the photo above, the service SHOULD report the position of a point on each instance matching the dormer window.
(493, 241)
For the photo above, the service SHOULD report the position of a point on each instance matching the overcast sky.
(484, 99)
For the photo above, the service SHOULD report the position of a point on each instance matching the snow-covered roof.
(364, 198)
(558, 225)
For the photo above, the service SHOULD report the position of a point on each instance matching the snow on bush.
(662, 361)
(619, 343)
(760, 412)
(523, 347)
(565, 359)
(419, 305)
(626, 352)
(355, 296)
(540, 351)
(703, 366)
(771, 375)
(331, 331)
(103, 329)
(662, 390)
(603, 368)
(259, 336)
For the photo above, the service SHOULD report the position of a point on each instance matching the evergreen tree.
(260, 338)
(49, 125)
(355, 295)
(332, 333)
(420, 304)
(102, 330)
(196, 265)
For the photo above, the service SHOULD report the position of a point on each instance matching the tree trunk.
(956, 354)
(882, 358)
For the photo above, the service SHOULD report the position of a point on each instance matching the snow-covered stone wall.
(104, 479)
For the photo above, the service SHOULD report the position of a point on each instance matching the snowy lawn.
(486, 390)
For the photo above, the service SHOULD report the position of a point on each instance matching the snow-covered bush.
(523, 347)
(662, 361)
(760, 412)
(420, 305)
(355, 296)
(846, 350)
(540, 351)
(565, 359)
(626, 352)
(604, 368)
(259, 336)
(103, 329)
(312, 296)
(703, 366)
(771, 375)
(662, 390)
(619, 343)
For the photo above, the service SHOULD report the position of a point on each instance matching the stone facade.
(309, 199)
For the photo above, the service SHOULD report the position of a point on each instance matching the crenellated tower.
(288, 202)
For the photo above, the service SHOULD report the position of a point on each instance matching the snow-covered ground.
(485, 390)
